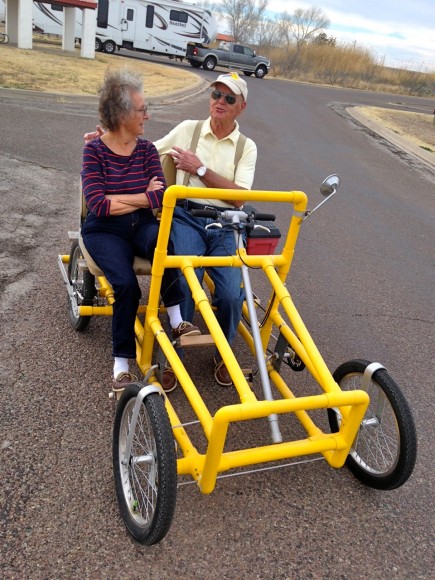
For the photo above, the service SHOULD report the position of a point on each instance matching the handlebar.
(215, 213)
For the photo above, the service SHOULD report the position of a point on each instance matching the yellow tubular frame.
(204, 468)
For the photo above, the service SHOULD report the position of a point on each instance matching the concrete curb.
(400, 142)
(200, 86)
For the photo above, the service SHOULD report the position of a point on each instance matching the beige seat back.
(141, 266)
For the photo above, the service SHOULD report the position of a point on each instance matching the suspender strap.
(194, 143)
(239, 150)
(193, 146)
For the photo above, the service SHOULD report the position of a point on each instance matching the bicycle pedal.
(195, 341)
(248, 374)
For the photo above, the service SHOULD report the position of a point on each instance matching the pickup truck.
(232, 56)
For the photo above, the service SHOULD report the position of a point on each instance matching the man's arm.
(185, 160)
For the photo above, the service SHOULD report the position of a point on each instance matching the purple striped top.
(105, 172)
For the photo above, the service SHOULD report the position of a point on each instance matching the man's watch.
(200, 172)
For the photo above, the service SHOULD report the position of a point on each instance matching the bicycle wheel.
(385, 449)
(83, 283)
(146, 482)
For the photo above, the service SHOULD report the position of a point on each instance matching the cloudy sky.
(402, 31)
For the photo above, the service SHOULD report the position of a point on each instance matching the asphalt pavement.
(58, 511)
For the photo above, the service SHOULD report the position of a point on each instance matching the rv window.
(57, 7)
(178, 16)
(149, 22)
(130, 14)
(102, 13)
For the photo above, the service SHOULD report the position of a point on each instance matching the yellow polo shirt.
(216, 154)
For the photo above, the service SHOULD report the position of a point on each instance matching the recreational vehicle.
(164, 27)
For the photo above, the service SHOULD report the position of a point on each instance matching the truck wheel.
(248, 73)
(195, 64)
(260, 72)
(209, 63)
(98, 45)
(109, 46)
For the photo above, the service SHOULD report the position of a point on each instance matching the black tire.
(248, 73)
(195, 64)
(109, 46)
(146, 491)
(384, 452)
(260, 72)
(98, 45)
(209, 63)
(83, 283)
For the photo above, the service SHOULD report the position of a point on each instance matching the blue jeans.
(190, 237)
(113, 242)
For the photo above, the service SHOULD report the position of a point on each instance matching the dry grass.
(48, 68)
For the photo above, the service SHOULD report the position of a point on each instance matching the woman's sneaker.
(169, 380)
(185, 329)
(221, 374)
(123, 380)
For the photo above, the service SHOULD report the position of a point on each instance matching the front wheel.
(209, 63)
(384, 451)
(83, 287)
(146, 480)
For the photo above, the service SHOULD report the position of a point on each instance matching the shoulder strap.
(194, 143)
(239, 149)
(193, 146)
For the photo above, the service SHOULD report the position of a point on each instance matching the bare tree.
(243, 17)
(267, 33)
(302, 26)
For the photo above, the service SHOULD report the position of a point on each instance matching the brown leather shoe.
(169, 380)
(185, 329)
(221, 374)
(123, 380)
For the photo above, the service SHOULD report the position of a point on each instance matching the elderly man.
(212, 153)
(214, 163)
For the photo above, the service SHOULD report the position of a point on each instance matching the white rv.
(164, 27)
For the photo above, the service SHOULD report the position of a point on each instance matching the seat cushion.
(141, 266)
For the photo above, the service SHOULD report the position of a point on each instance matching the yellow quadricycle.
(371, 428)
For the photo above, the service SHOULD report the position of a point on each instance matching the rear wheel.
(83, 285)
(195, 64)
(385, 448)
(146, 480)
(248, 73)
(98, 45)
(209, 63)
(260, 72)
(109, 46)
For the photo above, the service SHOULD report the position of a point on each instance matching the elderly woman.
(123, 182)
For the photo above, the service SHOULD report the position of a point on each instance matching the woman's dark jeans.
(113, 242)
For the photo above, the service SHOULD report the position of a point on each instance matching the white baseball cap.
(233, 82)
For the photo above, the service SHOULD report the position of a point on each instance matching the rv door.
(128, 24)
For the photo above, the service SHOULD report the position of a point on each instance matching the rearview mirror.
(330, 185)
(327, 189)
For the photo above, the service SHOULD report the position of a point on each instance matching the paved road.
(363, 281)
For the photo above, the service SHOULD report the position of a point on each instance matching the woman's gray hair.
(115, 96)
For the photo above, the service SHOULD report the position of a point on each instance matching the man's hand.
(185, 160)
(91, 136)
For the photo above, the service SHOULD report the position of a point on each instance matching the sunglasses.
(216, 95)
